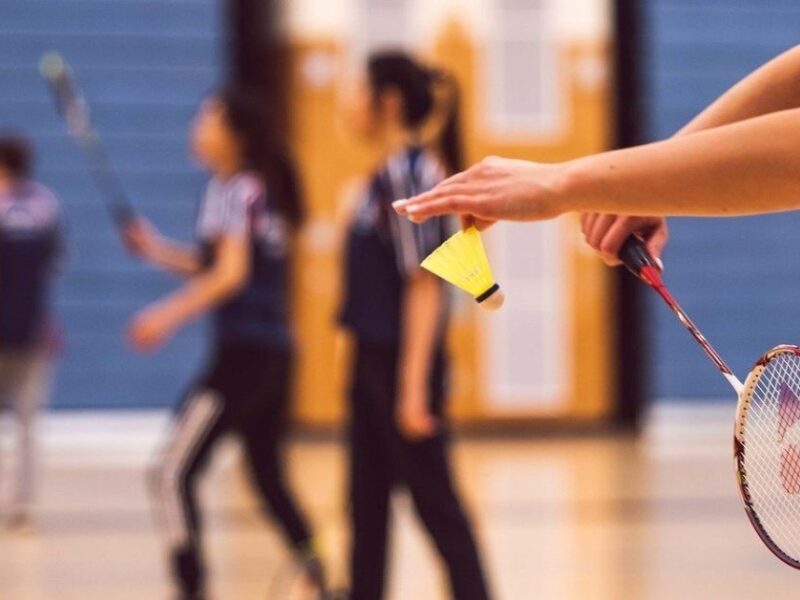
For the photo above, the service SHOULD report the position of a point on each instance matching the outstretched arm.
(771, 88)
(748, 167)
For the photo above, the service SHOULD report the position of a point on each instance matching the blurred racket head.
(52, 66)
(70, 103)
(74, 110)
(767, 450)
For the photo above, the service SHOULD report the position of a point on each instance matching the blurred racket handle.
(636, 257)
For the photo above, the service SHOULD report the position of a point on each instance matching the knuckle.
(608, 247)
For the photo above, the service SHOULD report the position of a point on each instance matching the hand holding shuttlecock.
(462, 261)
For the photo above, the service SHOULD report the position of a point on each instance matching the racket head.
(767, 451)
(69, 101)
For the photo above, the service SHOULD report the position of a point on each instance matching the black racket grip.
(635, 256)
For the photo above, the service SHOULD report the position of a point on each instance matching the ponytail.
(431, 102)
(263, 153)
(442, 129)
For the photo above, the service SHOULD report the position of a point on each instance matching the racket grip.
(635, 256)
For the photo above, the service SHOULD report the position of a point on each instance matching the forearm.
(421, 320)
(200, 295)
(773, 87)
(181, 259)
(745, 168)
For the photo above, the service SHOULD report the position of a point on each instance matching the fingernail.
(660, 264)
(398, 204)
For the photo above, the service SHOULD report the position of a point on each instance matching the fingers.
(419, 428)
(440, 205)
(597, 229)
(468, 221)
(607, 233)
(587, 220)
(613, 240)
(658, 239)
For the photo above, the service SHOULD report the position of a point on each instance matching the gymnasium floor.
(600, 518)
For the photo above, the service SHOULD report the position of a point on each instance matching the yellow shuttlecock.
(462, 261)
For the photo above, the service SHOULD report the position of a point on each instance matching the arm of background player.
(143, 239)
(421, 319)
(229, 273)
(210, 288)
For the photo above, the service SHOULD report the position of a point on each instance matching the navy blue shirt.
(258, 314)
(384, 250)
(29, 243)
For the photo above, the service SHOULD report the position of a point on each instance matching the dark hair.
(16, 155)
(246, 113)
(419, 87)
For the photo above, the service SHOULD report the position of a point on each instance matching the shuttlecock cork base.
(491, 299)
(462, 261)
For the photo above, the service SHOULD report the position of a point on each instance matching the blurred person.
(239, 272)
(738, 157)
(29, 247)
(397, 315)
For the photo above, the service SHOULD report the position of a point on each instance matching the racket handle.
(635, 256)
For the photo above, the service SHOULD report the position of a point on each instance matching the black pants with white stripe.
(380, 458)
(245, 392)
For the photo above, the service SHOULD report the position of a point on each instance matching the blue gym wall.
(143, 65)
(739, 278)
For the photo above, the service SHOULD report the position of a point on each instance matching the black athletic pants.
(244, 391)
(380, 458)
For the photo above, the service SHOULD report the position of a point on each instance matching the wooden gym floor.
(560, 519)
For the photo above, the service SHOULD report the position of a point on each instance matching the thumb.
(657, 241)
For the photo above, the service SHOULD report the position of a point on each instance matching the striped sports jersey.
(242, 206)
(29, 243)
(383, 249)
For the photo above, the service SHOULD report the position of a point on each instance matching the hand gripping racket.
(72, 107)
(766, 440)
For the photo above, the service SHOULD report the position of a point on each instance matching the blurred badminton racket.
(766, 438)
(73, 108)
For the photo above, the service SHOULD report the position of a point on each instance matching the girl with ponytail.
(397, 315)
(238, 273)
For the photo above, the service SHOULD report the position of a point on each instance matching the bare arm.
(200, 294)
(144, 240)
(421, 319)
(748, 167)
(771, 88)
(175, 257)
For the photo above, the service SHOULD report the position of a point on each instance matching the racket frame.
(637, 260)
(739, 447)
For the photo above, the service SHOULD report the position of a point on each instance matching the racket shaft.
(111, 189)
(654, 280)
(637, 259)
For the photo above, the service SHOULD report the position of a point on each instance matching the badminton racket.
(766, 441)
(74, 110)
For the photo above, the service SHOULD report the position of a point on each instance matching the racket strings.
(771, 461)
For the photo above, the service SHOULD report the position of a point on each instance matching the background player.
(397, 314)
(240, 274)
(29, 247)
